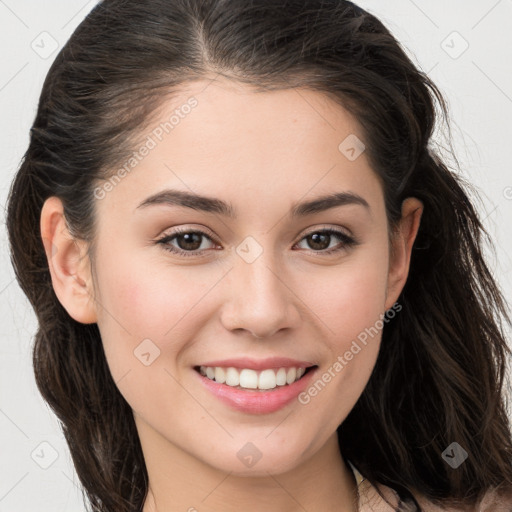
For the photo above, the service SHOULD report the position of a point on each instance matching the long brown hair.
(441, 370)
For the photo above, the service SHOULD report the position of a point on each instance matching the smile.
(247, 378)
(256, 387)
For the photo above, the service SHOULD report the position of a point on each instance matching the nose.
(260, 299)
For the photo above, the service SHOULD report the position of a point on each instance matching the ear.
(68, 263)
(402, 242)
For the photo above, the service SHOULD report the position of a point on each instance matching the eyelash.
(347, 241)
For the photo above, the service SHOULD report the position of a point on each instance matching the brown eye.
(189, 241)
(320, 241)
(185, 242)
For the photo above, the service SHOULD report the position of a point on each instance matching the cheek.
(139, 310)
(145, 302)
(351, 298)
(137, 302)
(350, 304)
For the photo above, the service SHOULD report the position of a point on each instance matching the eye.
(187, 242)
(320, 241)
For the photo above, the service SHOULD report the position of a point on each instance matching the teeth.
(291, 374)
(220, 375)
(281, 377)
(251, 379)
(267, 379)
(232, 377)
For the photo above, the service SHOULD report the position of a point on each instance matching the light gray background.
(477, 84)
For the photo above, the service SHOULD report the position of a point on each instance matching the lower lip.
(257, 402)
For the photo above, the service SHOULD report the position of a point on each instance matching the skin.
(262, 152)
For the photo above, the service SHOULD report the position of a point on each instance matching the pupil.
(189, 239)
(317, 239)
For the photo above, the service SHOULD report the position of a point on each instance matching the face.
(251, 278)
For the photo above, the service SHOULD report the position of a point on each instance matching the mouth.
(268, 379)
(256, 386)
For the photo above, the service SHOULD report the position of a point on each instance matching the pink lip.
(262, 364)
(257, 402)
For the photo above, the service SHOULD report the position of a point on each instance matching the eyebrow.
(214, 205)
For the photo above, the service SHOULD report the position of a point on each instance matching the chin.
(258, 459)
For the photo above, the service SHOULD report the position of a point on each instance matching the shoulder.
(492, 501)
(381, 498)
(385, 499)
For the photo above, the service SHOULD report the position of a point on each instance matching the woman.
(257, 285)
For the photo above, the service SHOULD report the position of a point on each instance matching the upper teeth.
(251, 379)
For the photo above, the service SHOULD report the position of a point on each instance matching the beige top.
(371, 501)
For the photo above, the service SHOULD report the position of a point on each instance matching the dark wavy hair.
(441, 372)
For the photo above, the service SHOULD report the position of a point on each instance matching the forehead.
(276, 119)
(221, 137)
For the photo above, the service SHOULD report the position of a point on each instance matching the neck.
(179, 481)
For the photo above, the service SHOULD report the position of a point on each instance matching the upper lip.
(259, 364)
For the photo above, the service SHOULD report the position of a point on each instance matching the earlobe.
(68, 263)
(401, 250)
